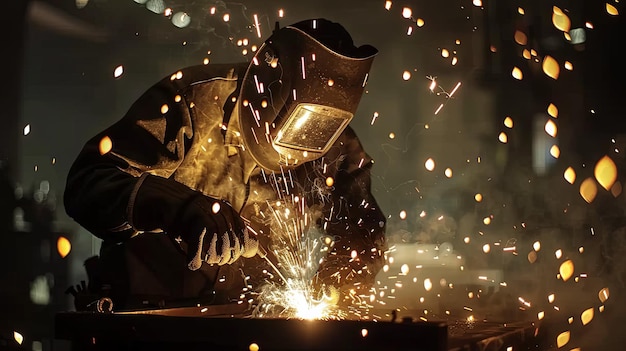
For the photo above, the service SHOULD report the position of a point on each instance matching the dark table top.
(223, 327)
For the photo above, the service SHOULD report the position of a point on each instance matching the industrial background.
(497, 130)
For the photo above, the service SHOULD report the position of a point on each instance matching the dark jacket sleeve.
(353, 219)
(149, 138)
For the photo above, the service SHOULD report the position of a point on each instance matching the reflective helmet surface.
(300, 91)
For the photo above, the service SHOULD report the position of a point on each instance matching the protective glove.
(213, 231)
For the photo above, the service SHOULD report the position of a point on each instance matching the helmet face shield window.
(311, 128)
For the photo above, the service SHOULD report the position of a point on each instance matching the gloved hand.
(214, 232)
(211, 228)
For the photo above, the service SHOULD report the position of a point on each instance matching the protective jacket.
(181, 130)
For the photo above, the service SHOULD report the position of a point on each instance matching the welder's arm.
(106, 171)
(356, 223)
(121, 184)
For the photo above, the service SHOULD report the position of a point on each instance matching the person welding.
(174, 187)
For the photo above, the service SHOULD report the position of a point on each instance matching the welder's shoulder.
(199, 74)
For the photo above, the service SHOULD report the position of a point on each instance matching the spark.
(455, 89)
(257, 25)
(119, 70)
(433, 83)
(374, 118)
(18, 337)
(295, 252)
(439, 109)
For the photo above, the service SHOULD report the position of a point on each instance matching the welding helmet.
(300, 91)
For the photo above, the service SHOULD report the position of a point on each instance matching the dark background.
(58, 80)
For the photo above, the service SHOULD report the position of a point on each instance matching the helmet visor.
(311, 127)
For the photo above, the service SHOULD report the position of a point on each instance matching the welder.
(173, 187)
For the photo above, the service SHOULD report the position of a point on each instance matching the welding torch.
(262, 252)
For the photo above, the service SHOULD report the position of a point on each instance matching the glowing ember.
(537, 246)
(520, 37)
(517, 73)
(611, 10)
(478, 197)
(562, 339)
(603, 295)
(550, 67)
(566, 270)
(555, 151)
(407, 12)
(551, 298)
(588, 190)
(570, 175)
(428, 285)
(105, 145)
(486, 248)
(560, 19)
(616, 189)
(330, 182)
(253, 347)
(553, 110)
(502, 137)
(403, 214)
(119, 70)
(404, 269)
(586, 316)
(429, 164)
(18, 337)
(63, 246)
(568, 65)
(558, 253)
(551, 128)
(605, 172)
(406, 75)
(508, 122)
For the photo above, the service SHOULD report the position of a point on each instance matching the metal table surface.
(223, 328)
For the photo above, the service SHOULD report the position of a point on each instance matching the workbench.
(222, 328)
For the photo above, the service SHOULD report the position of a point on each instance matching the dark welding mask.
(300, 91)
